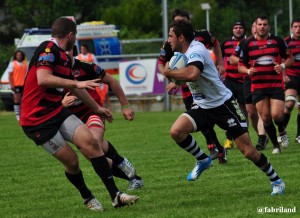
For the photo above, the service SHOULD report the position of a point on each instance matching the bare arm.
(219, 58)
(127, 111)
(46, 79)
(234, 60)
(187, 74)
(10, 80)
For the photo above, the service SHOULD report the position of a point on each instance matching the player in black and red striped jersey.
(209, 41)
(255, 119)
(82, 71)
(262, 59)
(293, 76)
(50, 125)
(232, 78)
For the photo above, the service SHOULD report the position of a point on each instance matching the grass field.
(33, 183)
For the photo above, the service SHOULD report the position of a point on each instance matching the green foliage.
(5, 55)
(33, 183)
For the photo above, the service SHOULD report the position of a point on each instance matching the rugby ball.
(178, 61)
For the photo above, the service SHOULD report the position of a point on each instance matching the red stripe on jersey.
(294, 46)
(185, 91)
(231, 71)
(262, 55)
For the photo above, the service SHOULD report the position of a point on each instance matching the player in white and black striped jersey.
(214, 104)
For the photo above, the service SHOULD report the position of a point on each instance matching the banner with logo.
(140, 77)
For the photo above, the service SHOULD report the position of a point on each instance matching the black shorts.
(228, 116)
(272, 93)
(294, 83)
(237, 89)
(45, 131)
(247, 90)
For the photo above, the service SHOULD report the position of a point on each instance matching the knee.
(176, 134)
(250, 153)
(290, 102)
(72, 166)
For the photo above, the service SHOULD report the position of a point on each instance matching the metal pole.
(291, 11)
(207, 20)
(275, 24)
(165, 33)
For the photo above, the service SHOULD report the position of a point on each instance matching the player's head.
(19, 55)
(181, 32)
(64, 28)
(239, 29)
(262, 26)
(84, 49)
(180, 14)
(295, 28)
(253, 28)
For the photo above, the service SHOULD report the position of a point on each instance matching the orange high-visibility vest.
(18, 75)
(89, 57)
(102, 91)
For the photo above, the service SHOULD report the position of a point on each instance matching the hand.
(251, 71)
(105, 114)
(88, 84)
(278, 68)
(68, 100)
(221, 69)
(172, 88)
(128, 113)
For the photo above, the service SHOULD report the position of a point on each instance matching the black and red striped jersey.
(263, 55)
(166, 53)
(294, 46)
(231, 71)
(39, 104)
(86, 71)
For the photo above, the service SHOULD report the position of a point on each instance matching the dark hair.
(295, 20)
(181, 13)
(263, 17)
(183, 27)
(62, 26)
(85, 46)
(19, 51)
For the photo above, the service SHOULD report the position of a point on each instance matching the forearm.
(47, 79)
(118, 91)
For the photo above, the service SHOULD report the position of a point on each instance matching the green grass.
(33, 183)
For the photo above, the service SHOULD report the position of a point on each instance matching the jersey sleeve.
(207, 38)
(285, 52)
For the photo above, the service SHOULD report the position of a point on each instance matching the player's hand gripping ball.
(178, 61)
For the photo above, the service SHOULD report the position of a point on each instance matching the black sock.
(78, 181)
(286, 119)
(208, 138)
(267, 168)
(228, 136)
(216, 141)
(113, 154)
(101, 167)
(280, 126)
(271, 131)
(118, 172)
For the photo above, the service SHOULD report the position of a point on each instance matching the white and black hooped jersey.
(208, 91)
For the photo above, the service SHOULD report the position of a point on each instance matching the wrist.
(248, 71)
(125, 106)
(283, 66)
